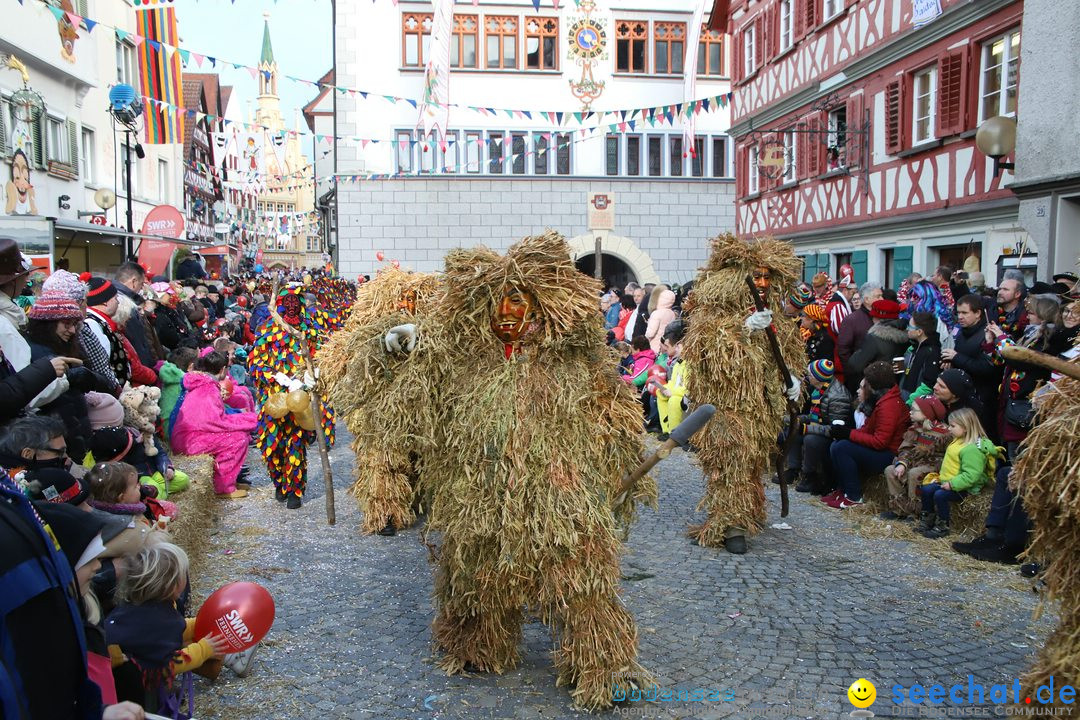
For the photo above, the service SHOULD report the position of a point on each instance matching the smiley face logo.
(862, 693)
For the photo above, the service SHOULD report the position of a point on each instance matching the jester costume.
(388, 442)
(732, 368)
(534, 431)
(282, 441)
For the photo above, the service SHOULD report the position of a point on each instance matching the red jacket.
(140, 374)
(884, 429)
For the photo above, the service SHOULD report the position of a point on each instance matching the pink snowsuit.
(241, 399)
(203, 428)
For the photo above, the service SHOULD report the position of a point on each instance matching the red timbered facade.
(855, 125)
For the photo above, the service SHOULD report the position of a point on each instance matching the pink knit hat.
(104, 410)
(52, 305)
(65, 283)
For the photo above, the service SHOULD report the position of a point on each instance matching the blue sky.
(299, 29)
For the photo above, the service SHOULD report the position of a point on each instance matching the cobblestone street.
(781, 631)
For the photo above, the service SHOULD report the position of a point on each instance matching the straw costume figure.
(535, 431)
(1045, 477)
(387, 441)
(278, 373)
(731, 366)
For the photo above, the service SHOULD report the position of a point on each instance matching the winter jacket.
(820, 346)
(16, 350)
(835, 405)
(922, 365)
(641, 320)
(883, 341)
(967, 467)
(620, 327)
(70, 408)
(135, 329)
(611, 317)
(17, 389)
(659, 319)
(140, 374)
(676, 383)
(639, 371)
(852, 333)
(1020, 381)
(924, 445)
(171, 330)
(171, 379)
(884, 429)
(975, 357)
(190, 269)
(201, 426)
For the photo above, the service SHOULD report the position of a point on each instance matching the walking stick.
(679, 437)
(320, 438)
(792, 407)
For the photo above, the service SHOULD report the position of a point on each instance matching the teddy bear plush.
(141, 411)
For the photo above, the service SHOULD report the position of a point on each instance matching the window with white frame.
(833, 8)
(836, 152)
(495, 153)
(520, 158)
(611, 154)
(57, 147)
(86, 156)
(451, 154)
(787, 15)
(125, 63)
(675, 148)
(752, 179)
(633, 155)
(656, 155)
(998, 76)
(749, 49)
(790, 150)
(924, 92)
(541, 153)
(697, 158)
(403, 151)
(564, 154)
(473, 143)
(719, 157)
(163, 180)
(428, 152)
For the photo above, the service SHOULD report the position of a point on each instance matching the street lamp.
(996, 138)
(126, 108)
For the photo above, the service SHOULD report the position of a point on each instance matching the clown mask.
(513, 315)
(763, 281)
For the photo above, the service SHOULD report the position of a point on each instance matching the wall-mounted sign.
(923, 11)
(164, 220)
(601, 211)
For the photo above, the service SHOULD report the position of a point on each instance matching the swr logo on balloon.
(232, 626)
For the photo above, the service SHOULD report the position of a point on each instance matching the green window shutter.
(73, 146)
(858, 264)
(809, 266)
(823, 260)
(5, 146)
(903, 263)
(37, 134)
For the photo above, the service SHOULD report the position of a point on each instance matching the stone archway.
(623, 248)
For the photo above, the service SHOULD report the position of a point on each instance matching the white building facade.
(500, 175)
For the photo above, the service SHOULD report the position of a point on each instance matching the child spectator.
(829, 404)
(202, 426)
(172, 374)
(669, 396)
(115, 489)
(643, 359)
(921, 452)
(236, 396)
(148, 631)
(119, 444)
(968, 465)
(626, 357)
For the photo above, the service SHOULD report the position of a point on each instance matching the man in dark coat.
(129, 281)
(852, 332)
(972, 355)
(190, 269)
(884, 340)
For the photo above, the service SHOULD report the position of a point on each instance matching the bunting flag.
(693, 41)
(435, 111)
(160, 75)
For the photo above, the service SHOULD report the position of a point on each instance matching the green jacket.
(967, 467)
(171, 377)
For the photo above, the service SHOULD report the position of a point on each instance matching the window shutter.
(894, 117)
(815, 147)
(759, 41)
(772, 33)
(858, 264)
(742, 171)
(737, 40)
(5, 147)
(798, 19)
(809, 267)
(812, 16)
(73, 145)
(951, 94)
(37, 134)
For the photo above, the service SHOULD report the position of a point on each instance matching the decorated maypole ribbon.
(435, 110)
(693, 40)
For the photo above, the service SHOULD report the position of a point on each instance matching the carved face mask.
(513, 315)
(291, 309)
(407, 303)
(763, 281)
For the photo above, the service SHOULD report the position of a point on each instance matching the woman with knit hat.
(104, 350)
(814, 325)
(52, 330)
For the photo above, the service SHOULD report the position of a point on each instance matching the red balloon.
(241, 611)
(395, 263)
(379, 256)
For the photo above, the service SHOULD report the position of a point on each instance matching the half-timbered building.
(854, 123)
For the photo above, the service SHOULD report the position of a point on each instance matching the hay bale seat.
(967, 517)
(196, 507)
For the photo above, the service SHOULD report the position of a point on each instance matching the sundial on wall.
(587, 43)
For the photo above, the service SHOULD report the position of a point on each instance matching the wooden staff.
(320, 438)
(1023, 354)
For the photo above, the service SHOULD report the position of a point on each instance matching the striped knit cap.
(821, 370)
(65, 283)
(55, 306)
(816, 313)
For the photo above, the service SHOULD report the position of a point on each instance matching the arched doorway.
(614, 271)
(620, 255)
